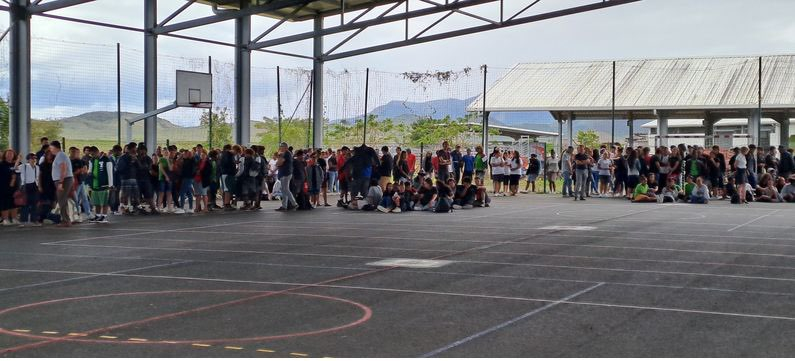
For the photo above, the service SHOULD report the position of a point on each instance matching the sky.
(646, 29)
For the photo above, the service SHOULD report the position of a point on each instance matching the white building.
(727, 133)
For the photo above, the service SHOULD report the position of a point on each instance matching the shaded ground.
(631, 280)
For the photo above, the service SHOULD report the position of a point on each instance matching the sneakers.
(468, 206)
(189, 211)
(455, 206)
(418, 208)
(382, 209)
(103, 219)
(94, 219)
(523, 192)
(397, 210)
(179, 211)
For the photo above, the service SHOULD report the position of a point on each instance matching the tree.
(44, 128)
(294, 132)
(588, 138)
(222, 131)
(3, 124)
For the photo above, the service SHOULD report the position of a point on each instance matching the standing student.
(552, 169)
(515, 166)
(385, 168)
(496, 163)
(741, 173)
(63, 177)
(401, 172)
(604, 166)
(201, 181)
(285, 171)
(582, 163)
(533, 168)
(468, 164)
(100, 172)
(187, 175)
(458, 163)
(30, 184)
(481, 165)
(566, 169)
(164, 182)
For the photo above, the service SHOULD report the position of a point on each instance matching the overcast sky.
(649, 28)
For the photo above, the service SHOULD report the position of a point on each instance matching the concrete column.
(784, 127)
(631, 125)
(754, 126)
(662, 128)
(709, 130)
(19, 87)
(150, 73)
(560, 134)
(243, 78)
(317, 87)
(571, 128)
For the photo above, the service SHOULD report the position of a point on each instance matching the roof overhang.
(307, 11)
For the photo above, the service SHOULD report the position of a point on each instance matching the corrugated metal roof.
(681, 84)
(312, 9)
(697, 123)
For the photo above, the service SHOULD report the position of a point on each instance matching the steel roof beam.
(482, 28)
(177, 12)
(367, 23)
(228, 15)
(54, 5)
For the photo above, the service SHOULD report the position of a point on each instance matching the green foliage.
(3, 124)
(42, 128)
(294, 132)
(588, 138)
(222, 131)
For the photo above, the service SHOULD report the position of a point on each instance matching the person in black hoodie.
(385, 168)
(228, 169)
(128, 169)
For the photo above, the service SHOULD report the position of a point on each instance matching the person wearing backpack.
(187, 174)
(247, 178)
(201, 181)
(315, 177)
(100, 179)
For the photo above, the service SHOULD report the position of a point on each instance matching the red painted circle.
(366, 315)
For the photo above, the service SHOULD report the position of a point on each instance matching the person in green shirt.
(480, 166)
(164, 182)
(641, 192)
(689, 185)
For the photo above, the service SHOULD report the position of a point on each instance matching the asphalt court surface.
(532, 276)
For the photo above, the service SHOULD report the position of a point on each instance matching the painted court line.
(751, 221)
(509, 322)
(49, 283)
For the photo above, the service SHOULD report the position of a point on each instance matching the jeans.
(81, 199)
(752, 179)
(287, 197)
(582, 182)
(29, 210)
(186, 190)
(567, 183)
(332, 181)
(595, 181)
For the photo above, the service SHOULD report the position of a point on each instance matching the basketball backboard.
(194, 89)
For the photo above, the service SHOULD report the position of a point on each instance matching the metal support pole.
(150, 74)
(631, 125)
(19, 92)
(317, 97)
(311, 114)
(758, 130)
(485, 123)
(560, 135)
(210, 111)
(571, 129)
(613, 109)
(279, 101)
(366, 97)
(243, 78)
(118, 93)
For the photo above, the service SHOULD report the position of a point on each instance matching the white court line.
(456, 261)
(508, 323)
(49, 283)
(651, 260)
(377, 289)
(751, 221)
(467, 274)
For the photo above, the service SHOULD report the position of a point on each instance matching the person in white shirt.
(741, 173)
(516, 170)
(700, 193)
(604, 166)
(496, 163)
(30, 184)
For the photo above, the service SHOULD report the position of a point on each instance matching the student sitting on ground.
(444, 201)
(465, 194)
(406, 195)
(388, 200)
(671, 192)
(700, 193)
(482, 198)
(427, 196)
(788, 192)
(643, 193)
(766, 191)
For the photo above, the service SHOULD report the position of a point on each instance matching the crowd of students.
(678, 173)
(66, 186)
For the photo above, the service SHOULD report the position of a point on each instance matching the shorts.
(552, 176)
(7, 198)
(740, 177)
(227, 183)
(514, 179)
(343, 185)
(604, 179)
(99, 198)
(531, 178)
(129, 187)
(198, 190)
(497, 178)
(164, 186)
(717, 182)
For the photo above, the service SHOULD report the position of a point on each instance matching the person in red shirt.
(412, 160)
(342, 156)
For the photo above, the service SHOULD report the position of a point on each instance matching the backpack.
(253, 168)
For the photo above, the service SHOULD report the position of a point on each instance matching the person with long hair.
(8, 185)
(496, 164)
(515, 166)
(741, 173)
(552, 169)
